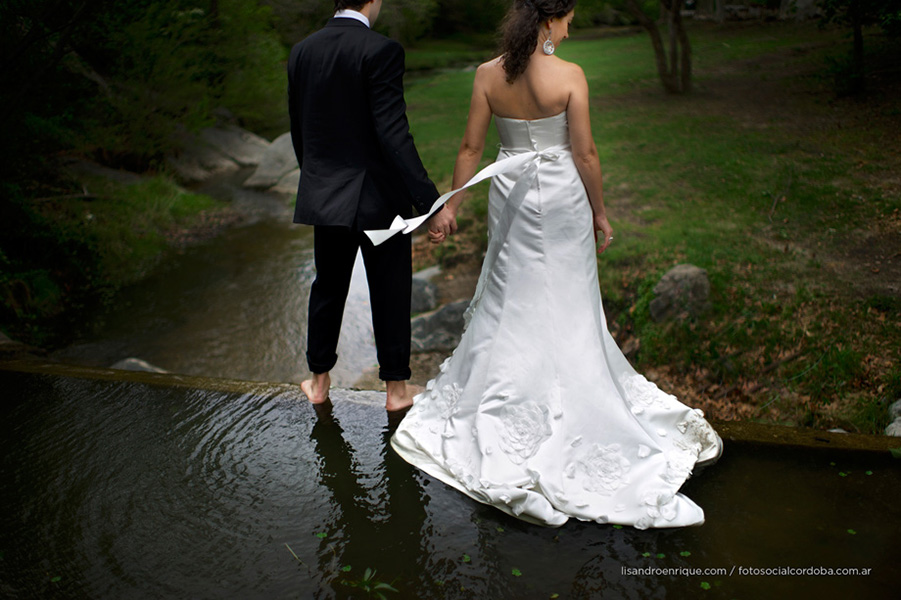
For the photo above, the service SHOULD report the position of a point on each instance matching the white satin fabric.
(537, 412)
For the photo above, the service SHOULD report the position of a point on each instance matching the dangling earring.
(548, 47)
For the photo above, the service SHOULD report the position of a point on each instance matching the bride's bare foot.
(400, 395)
(316, 389)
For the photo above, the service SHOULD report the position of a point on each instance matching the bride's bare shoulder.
(488, 74)
(570, 69)
(492, 67)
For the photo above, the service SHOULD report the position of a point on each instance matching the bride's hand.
(442, 224)
(602, 228)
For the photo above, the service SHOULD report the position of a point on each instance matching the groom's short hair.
(351, 4)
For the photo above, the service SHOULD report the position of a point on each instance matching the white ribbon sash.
(506, 165)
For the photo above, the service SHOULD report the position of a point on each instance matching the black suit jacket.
(359, 166)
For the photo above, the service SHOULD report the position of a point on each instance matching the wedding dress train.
(537, 412)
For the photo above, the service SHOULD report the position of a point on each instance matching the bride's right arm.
(470, 153)
(473, 144)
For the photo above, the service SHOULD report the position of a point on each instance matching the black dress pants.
(388, 274)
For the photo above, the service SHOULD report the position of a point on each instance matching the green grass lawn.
(785, 194)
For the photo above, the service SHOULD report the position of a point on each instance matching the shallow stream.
(233, 307)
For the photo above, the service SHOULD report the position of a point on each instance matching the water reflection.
(125, 490)
(380, 511)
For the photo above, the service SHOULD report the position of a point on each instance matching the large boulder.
(198, 161)
(287, 184)
(894, 428)
(895, 409)
(439, 330)
(245, 148)
(425, 293)
(682, 292)
(278, 161)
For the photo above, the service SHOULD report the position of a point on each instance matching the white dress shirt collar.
(352, 14)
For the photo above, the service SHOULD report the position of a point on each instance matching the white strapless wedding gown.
(537, 412)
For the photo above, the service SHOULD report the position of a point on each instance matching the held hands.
(442, 224)
(602, 228)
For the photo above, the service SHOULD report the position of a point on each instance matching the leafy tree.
(857, 14)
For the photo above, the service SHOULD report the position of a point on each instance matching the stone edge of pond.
(732, 432)
(213, 384)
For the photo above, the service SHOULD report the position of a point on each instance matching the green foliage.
(850, 74)
(407, 20)
(58, 255)
(118, 79)
(604, 12)
(885, 13)
(371, 585)
(466, 16)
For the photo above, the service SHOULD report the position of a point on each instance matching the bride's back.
(542, 90)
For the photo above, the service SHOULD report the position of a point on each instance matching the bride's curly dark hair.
(519, 31)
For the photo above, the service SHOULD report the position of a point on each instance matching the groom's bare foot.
(400, 395)
(316, 389)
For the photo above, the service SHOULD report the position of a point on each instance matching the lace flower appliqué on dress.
(446, 399)
(605, 469)
(642, 394)
(522, 430)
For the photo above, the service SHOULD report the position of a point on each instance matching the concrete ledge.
(732, 432)
(748, 432)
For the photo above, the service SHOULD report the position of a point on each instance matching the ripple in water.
(123, 490)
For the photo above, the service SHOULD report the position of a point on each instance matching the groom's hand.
(442, 224)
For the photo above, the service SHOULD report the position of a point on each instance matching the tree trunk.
(721, 11)
(214, 14)
(785, 7)
(684, 46)
(669, 84)
(857, 68)
(669, 10)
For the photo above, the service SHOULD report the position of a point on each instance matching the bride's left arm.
(585, 153)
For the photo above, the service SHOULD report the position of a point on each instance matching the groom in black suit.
(359, 169)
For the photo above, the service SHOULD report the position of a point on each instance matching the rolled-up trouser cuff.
(321, 366)
(395, 374)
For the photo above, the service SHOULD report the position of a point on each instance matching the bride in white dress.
(537, 412)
